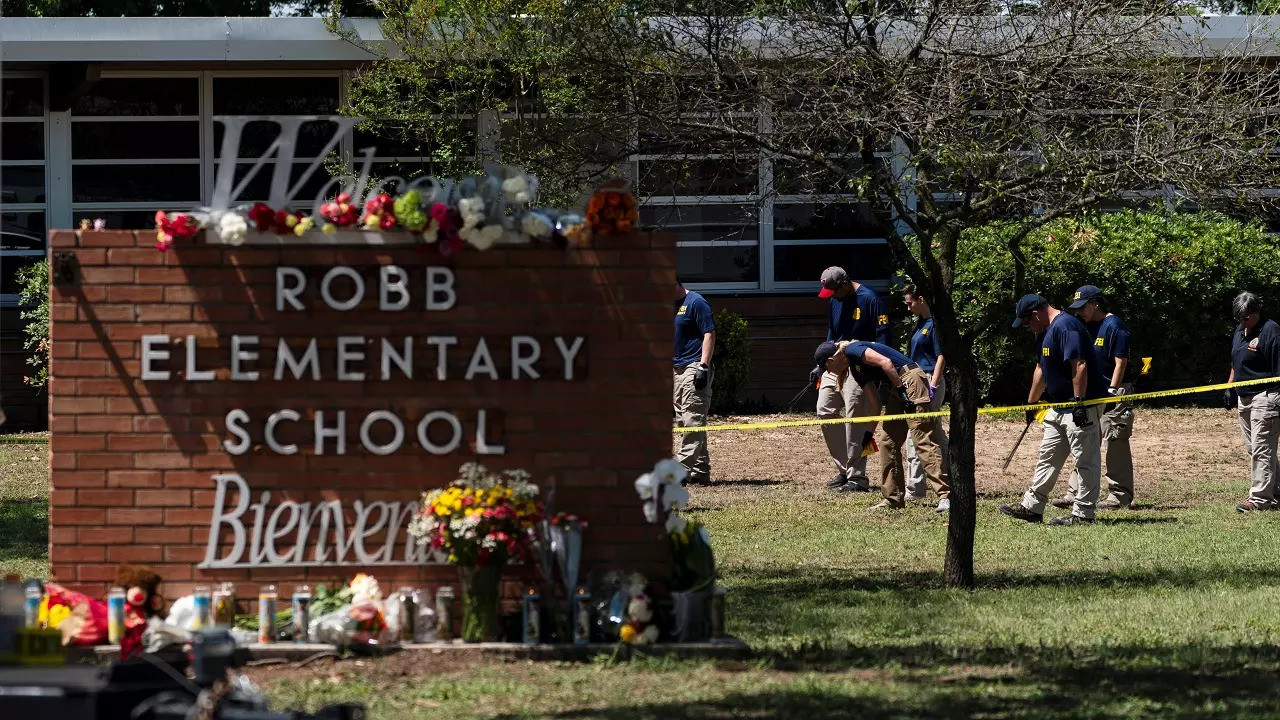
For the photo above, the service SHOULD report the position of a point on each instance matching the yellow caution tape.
(1043, 407)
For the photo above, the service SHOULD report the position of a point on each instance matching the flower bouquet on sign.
(483, 521)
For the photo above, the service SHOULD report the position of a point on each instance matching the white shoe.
(944, 505)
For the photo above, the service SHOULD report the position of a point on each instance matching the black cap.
(825, 352)
(1084, 295)
(1026, 304)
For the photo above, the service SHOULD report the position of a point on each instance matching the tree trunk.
(957, 571)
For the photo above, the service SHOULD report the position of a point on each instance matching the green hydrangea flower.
(409, 212)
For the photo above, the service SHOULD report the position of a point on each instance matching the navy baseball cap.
(1026, 304)
(1084, 295)
(825, 352)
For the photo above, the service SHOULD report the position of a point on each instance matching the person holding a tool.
(926, 352)
(867, 363)
(1067, 371)
(1255, 354)
(695, 343)
(856, 313)
(1111, 345)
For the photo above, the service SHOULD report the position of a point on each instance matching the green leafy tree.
(1171, 277)
(34, 283)
(731, 361)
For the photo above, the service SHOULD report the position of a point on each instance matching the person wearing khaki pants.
(865, 363)
(926, 351)
(1255, 355)
(1111, 345)
(855, 312)
(695, 344)
(1067, 372)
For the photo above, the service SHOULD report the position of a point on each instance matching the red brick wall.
(132, 461)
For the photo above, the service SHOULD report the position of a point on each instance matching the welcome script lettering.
(297, 534)
(307, 534)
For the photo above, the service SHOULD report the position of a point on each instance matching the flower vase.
(566, 545)
(480, 602)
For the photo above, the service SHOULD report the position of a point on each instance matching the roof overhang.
(208, 40)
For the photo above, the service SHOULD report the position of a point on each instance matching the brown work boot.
(1065, 502)
(1020, 512)
(1112, 503)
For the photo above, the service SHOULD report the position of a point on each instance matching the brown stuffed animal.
(141, 589)
(142, 600)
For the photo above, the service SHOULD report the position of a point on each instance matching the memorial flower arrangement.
(469, 217)
(613, 210)
(663, 495)
(482, 521)
(173, 227)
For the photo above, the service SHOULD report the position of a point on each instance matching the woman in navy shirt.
(1255, 354)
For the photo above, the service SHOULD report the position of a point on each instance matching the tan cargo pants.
(1117, 457)
(844, 441)
(1062, 437)
(691, 407)
(926, 434)
(916, 480)
(1260, 428)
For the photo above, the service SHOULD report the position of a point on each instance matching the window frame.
(13, 300)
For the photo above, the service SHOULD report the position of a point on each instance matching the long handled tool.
(799, 395)
(1015, 447)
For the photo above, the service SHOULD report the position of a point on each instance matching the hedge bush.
(731, 361)
(34, 283)
(1171, 278)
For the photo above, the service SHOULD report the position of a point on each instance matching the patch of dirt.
(1169, 448)
(378, 671)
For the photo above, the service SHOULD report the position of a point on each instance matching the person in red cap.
(856, 313)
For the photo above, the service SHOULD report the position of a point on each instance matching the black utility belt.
(904, 369)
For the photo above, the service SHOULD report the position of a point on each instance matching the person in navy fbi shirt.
(865, 364)
(1255, 355)
(695, 343)
(926, 351)
(856, 313)
(1068, 371)
(1111, 345)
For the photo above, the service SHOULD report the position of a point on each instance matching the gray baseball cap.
(832, 278)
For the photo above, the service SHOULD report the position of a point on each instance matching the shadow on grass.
(783, 585)
(1125, 520)
(1100, 683)
(24, 529)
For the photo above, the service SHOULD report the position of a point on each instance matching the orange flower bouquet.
(613, 209)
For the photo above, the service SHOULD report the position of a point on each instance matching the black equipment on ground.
(150, 687)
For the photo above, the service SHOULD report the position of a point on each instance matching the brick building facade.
(133, 460)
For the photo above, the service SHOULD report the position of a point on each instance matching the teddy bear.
(639, 628)
(142, 601)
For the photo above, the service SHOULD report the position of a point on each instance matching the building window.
(717, 243)
(22, 180)
(275, 97)
(135, 149)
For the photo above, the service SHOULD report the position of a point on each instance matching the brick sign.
(273, 414)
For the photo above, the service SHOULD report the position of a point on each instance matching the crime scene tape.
(1108, 400)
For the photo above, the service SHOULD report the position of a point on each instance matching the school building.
(112, 118)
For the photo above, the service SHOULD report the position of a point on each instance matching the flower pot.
(480, 602)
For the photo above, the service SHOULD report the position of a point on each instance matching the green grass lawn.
(24, 506)
(1167, 610)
